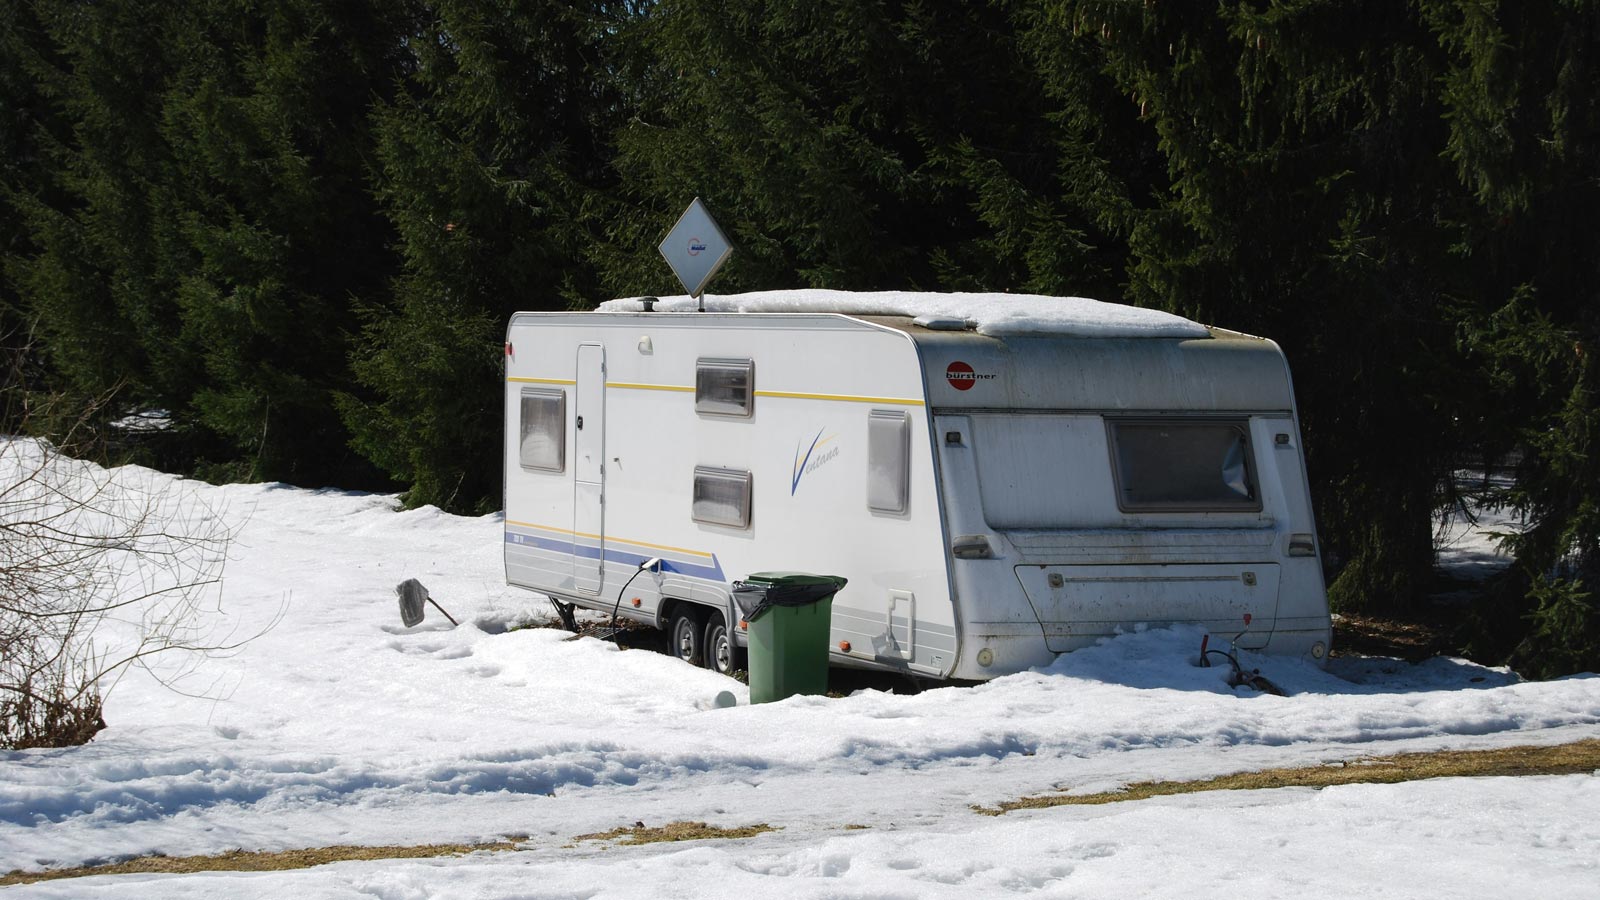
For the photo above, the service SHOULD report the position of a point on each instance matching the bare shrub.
(100, 569)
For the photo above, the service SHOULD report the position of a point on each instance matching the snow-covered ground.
(338, 726)
(1467, 541)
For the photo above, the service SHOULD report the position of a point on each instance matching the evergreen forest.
(296, 228)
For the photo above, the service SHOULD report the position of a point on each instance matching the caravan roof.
(991, 314)
(1031, 352)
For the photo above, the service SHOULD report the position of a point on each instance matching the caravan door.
(589, 444)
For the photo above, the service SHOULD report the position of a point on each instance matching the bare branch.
(101, 570)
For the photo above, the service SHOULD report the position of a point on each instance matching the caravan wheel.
(723, 656)
(685, 635)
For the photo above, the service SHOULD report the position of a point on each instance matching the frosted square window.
(888, 460)
(1194, 465)
(543, 441)
(724, 387)
(722, 496)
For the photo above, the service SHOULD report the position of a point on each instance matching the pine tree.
(1524, 139)
(1302, 200)
(849, 145)
(203, 220)
(24, 124)
(266, 121)
(96, 275)
(486, 158)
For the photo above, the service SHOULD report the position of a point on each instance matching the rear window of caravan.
(1183, 465)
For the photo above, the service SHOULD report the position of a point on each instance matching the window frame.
(560, 418)
(717, 474)
(706, 405)
(1241, 424)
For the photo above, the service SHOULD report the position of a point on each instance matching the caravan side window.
(1183, 465)
(724, 387)
(721, 496)
(888, 460)
(543, 443)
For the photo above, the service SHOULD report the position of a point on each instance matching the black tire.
(685, 637)
(723, 656)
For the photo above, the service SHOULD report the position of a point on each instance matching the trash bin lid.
(796, 579)
(765, 590)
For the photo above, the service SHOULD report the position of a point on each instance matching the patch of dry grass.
(282, 860)
(252, 861)
(1564, 759)
(637, 833)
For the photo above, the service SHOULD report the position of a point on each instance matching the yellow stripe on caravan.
(653, 546)
(540, 527)
(792, 395)
(633, 386)
(542, 380)
(609, 539)
(893, 401)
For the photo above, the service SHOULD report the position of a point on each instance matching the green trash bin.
(789, 614)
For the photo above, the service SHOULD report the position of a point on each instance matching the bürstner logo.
(961, 376)
(696, 246)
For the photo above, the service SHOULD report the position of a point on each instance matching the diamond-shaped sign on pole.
(695, 248)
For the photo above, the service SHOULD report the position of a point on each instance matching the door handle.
(580, 423)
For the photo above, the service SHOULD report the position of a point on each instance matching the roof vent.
(944, 323)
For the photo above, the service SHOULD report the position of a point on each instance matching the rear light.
(1302, 545)
(971, 546)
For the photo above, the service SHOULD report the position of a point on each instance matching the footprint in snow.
(435, 649)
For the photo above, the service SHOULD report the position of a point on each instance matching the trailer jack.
(565, 612)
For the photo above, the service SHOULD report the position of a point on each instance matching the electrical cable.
(616, 608)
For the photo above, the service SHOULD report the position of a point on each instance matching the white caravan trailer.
(1001, 478)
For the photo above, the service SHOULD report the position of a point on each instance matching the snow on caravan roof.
(995, 314)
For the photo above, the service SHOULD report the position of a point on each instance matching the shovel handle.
(446, 615)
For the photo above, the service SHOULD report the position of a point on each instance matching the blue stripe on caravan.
(571, 548)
